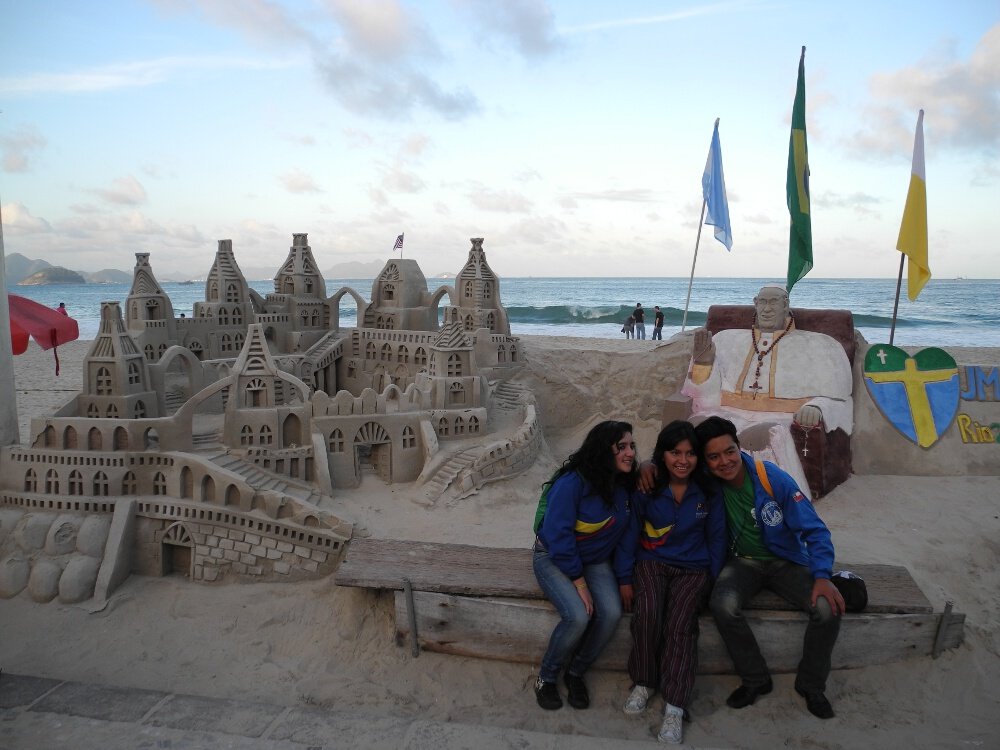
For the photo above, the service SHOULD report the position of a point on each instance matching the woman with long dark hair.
(583, 557)
(682, 548)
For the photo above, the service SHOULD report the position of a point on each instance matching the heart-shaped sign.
(918, 395)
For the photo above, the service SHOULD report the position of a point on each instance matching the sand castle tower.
(227, 303)
(453, 372)
(116, 382)
(149, 314)
(400, 301)
(478, 290)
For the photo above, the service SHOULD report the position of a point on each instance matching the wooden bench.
(485, 602)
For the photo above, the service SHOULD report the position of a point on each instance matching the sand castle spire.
(478, 290)
(226, 282)
(146, 300)
(299, 275)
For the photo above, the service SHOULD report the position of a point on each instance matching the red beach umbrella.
(47, 327)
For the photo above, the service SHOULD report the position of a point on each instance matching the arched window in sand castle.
(162, 349)
(49, 437)
(403, 355)
(370, 350)
(501, 353)
(336, 441)
(135, 311)
(237, 341)
(442, 426)
(223, 316)
(291, 431)
(454, 365)
(133, 373)
(456, 394)
(213, 291)
(139, 410)
(30, 481)
(352, 368)
(52, 482)
(150, 354)
(208, 489)
(102, 386)
(459, 426)
(386, 353)
(473, 424)
(112, 412)
(266, 436)
(92, 411)
(409, 439)
(246, 435)
(468, 290)
(187, 482)
(487, 290)
(491, 321)
(75, 483)
(389, 292)
(152, 310)
(129, 484)
(470, 322)
(232, 495)
(513, 353)
(94, 440)
(101, 484)
(227, 343)
(255, 394)
(237, 316)
(159, 484)
(232, 293)
(120, 438)
(420, 356)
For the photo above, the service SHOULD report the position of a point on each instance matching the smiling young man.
(777, 542)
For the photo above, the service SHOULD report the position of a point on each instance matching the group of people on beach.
(701, 521)
(634, 326)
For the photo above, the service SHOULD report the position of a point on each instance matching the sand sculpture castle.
(209, 445)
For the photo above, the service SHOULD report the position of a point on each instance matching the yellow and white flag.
(912, 240)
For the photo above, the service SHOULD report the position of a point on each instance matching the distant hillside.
(107, 276)
(21, 270)
(18, 267)
(53, 275)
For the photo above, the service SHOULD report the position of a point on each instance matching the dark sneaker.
(745, 695)
(547, 695)
(817, 704)
(578, 695)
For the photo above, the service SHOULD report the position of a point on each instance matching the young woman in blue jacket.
(583, 557)
(682, 548)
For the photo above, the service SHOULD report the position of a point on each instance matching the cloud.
(261, 20)
(414, 145)
(125, 191)
(961, 99)
(662, 18)
(635, 195)
(19, 147)
(297, 181)
(382, 30)
(528, 24)
(17, 219)
(398, 179)
(860, 203)
(502, 201)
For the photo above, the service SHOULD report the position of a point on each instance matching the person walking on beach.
(62, 309)
(681, 549)
(780, 543)
(628, 327)
(640, 321)
(582, 557)
(657, 324)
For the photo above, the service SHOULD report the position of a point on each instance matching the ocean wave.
(600, 315)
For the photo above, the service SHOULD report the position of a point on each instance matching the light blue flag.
(713, 185)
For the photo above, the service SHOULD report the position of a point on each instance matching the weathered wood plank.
(506, 572)
(517, 630)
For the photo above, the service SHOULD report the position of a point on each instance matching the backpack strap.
(762, 475)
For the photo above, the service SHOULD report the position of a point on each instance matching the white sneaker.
(672, 728)
(637, 700)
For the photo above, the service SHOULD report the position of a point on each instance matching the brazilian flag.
(800, 246)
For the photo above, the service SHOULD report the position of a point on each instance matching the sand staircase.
(443, 475)
(509, 396)
(263, 480)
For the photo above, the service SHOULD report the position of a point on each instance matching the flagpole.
(693, 262)
(895, 305)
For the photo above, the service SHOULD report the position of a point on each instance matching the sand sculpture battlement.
(210, 444)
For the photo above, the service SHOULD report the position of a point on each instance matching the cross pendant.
(805, 451)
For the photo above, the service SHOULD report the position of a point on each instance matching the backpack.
(543, 503)
(850, 585)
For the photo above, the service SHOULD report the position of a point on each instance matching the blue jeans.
(657, 333)
(737, 584)
(640, 330)
(577, 638)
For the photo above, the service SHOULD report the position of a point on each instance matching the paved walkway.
(37, 713)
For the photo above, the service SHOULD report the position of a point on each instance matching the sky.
(572, 135)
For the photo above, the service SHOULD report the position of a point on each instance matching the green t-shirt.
(743, 529)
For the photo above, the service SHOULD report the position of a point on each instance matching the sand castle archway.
(177, 550)
(373, 452)
(333, 306)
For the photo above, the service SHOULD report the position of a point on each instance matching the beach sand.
(314, 643)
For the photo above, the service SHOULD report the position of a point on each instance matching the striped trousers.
(664, 652)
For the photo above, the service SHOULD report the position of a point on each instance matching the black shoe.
(745, 695)
(578, 695)
(547, 695)
(817, 704)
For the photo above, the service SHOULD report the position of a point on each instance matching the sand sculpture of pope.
(771, 378)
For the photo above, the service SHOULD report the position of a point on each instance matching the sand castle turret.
(478, 290)
(149, 313)
(116, 382)
(400, 301)
(227, 306)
